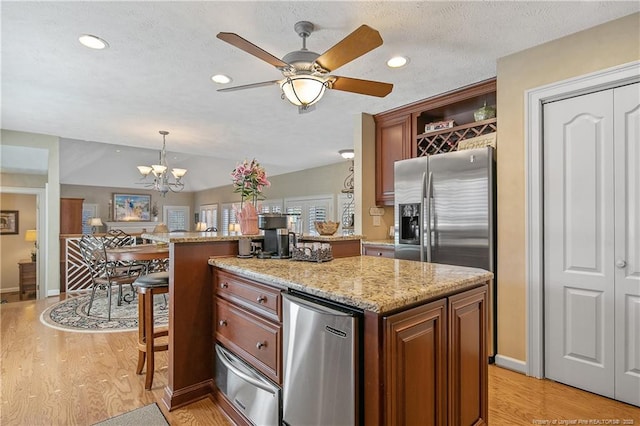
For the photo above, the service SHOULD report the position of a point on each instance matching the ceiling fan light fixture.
(303, 90)
(397, 62)
(221, 79)
(93, 42)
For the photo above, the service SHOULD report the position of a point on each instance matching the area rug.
(149, 415)
(71, 314)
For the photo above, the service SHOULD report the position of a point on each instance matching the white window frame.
(89, 210)
(168, 212)
(228, 216)
(271, 206)
(209, 215)
(306, 203)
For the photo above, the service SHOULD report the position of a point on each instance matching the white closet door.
(627, 242)
(579, 242)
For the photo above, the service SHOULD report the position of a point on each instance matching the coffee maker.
(276, 235)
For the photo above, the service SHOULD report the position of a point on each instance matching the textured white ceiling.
(156, 73)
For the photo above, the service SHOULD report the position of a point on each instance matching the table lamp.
(234, 228)
(94, 222)
(201, 226)
(32, 236)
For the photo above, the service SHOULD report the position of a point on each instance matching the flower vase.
(248, 218)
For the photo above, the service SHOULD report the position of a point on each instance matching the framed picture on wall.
(131, 207)
(9, 222)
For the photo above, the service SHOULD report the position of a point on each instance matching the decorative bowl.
(326, 228)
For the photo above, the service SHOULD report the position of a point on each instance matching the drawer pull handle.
(379, 253)
(224, 285)
(222, 323)
(261, 299)
(261, 345)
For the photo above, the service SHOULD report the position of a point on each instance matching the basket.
(310, 254)
(326, 228)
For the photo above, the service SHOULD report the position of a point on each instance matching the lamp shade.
(31, 235)
(201, 226)
(160, 229)
(303, 90)
(95, 221)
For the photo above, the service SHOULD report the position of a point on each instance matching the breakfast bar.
(424, 326)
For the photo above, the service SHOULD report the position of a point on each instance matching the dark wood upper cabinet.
(400, 133)
(393, 142)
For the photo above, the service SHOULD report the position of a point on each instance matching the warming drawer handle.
(255, 382)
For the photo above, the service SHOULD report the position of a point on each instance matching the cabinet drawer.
(28, 276)
(258, 298)
(253, 338)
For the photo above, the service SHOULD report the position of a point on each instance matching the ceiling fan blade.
(249, 86)
(364, 87)
(356, 44)
(247, 46)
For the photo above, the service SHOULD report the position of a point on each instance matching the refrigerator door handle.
(427, 218)
(422, 216)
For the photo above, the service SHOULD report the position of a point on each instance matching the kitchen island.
(424, 325)
(424, 330)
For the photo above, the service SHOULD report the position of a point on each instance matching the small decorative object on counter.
(249, 179)
(327, 227)
(484, 113)
(314, 252)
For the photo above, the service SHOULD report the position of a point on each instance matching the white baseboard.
(53, 293)
(511, 364)
(9, 290)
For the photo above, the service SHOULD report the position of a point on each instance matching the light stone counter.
(330, 238)
(366, 282)
(192, 237)
(380, 242)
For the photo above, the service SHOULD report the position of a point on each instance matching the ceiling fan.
(307, 74)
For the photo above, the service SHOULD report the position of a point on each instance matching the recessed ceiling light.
(397, 62)
(221, 79)
(93, 42)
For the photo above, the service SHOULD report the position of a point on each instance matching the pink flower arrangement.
(249, 179)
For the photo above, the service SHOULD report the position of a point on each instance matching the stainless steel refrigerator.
(445, 213)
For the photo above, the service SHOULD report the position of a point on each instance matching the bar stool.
(148, 286)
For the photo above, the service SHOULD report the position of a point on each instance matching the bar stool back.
(150, 338)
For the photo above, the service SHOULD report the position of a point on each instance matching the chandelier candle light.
(161, 180)
(249, 179)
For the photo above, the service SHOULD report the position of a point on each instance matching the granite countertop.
(189, 237)
(370, 283)
(330, 238)
(380, 242)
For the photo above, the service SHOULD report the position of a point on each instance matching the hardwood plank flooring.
(51, 377)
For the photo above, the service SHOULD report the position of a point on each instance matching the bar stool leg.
(149, 338)
(141, 332)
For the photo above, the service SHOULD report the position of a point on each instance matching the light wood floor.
(51, 377)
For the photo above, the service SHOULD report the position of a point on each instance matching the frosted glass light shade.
(158, 169)
(303, 90)
(144, 170)
(178, 173)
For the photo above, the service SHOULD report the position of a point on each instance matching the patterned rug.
(71, 314)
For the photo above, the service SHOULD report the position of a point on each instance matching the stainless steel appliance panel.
(250, 392)
(460, 208)
(320, 364)
(410, 177)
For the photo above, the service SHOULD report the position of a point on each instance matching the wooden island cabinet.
(416, 353)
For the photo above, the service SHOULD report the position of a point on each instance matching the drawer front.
(380, 251)
(250, 336)
(256, 297)
(28, 276)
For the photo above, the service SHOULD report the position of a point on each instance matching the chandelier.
(161, 179)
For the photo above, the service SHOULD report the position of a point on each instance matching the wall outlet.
(376, 221)
(376, 211)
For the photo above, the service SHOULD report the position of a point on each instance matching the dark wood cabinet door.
(71, 215)
(415, 366)
(468, 386)
(393, 142)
